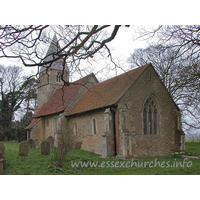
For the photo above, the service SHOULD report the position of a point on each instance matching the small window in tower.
(58, 78)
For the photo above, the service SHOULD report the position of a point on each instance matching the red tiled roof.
(61, 98)
(33, 123)
(107, 93)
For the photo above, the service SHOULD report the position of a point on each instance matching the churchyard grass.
(37, 164)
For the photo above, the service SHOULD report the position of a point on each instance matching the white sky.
(121, 48)
(124, 44)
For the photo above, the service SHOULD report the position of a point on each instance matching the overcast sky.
(121, 48)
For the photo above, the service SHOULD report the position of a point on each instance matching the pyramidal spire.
(54, 48)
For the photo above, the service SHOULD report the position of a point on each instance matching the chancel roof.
(107, 93)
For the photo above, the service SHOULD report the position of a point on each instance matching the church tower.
(50, 76)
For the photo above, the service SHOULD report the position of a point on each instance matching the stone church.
(130, 115)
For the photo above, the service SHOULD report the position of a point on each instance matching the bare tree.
(179, 74)
(30, 88)
(79, 43)
(185, 38)
(166, 63)
(14, 90)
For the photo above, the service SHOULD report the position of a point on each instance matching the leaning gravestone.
(45, 148)
(78, 145)
(37, 143)
(23, 148)
(50, 140)
(31, 143)
(2, 158)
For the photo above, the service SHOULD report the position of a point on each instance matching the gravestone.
(78, 145)
(2, 158)
(1, 166)
(37, 143)
(23, 148)
(45, 148)
(2, 151)
(31, 143)
(50, 140)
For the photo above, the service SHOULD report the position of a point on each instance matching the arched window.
(58, 77)
(150, 117)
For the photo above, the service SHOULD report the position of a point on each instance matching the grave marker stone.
(31, 143)
(23, 148)
(2, 158)
(45, 148)
(2, 150)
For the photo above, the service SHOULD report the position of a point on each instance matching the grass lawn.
(37, 164)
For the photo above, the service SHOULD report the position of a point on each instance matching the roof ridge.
(83, 78)
(125, 73)
(145, 66)
(86, 77)
(110, 91)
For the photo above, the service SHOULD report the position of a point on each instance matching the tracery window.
(150, 117)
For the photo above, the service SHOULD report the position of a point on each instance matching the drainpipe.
(113, 111)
